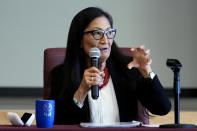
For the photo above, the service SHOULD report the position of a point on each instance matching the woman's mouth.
(103, 49)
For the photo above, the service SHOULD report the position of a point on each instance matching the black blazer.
(129, 86)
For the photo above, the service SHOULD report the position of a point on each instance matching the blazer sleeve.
(66, 111)
(153, 96)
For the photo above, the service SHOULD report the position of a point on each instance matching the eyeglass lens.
(98, 34)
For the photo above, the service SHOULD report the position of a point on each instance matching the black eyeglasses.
(98, 34)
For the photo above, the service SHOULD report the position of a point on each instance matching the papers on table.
(112, 125)
(153, 125)
(115, 125)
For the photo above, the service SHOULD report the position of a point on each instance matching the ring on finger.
(92, 78)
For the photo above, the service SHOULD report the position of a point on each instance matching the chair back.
(55, 56)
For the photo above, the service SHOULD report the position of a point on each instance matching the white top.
(105, 108)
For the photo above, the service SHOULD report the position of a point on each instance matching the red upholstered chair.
(55, 56)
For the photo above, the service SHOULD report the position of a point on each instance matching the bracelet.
(77, 103)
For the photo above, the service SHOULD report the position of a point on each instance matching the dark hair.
(75, 58)
(78, 25)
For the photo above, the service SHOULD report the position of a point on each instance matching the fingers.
(141, 47)
(139, 63)
(93, 70)
(132, 64)
(95, 81)
(140, 51)
(147, 52)
(149, 61)
(140, 57)
(93, 76)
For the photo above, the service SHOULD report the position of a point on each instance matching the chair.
(55, 56)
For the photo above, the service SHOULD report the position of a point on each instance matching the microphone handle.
(95, 88)
(95, 91)
(95, 62)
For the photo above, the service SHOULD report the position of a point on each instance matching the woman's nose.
(104, 39)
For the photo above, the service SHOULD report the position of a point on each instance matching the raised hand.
(141, 61)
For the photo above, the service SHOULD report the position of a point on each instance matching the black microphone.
(94, 54)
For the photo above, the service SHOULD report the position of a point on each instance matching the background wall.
(27, 27)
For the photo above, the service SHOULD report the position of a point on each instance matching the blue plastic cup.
(45, 113)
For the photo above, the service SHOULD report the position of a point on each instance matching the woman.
(123, 80)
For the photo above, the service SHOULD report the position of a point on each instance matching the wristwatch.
(152, 75)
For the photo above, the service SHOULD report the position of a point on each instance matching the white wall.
(27, 27)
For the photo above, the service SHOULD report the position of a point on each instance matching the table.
(77, 128)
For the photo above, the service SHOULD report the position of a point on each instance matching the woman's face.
(104, 44)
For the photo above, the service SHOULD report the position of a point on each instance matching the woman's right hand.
(91, 76)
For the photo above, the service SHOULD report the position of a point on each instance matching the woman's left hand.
(141, 60)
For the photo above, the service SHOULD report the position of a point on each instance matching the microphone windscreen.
(94, 52)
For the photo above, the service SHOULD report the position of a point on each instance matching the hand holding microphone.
(94, 54)
(92, 78)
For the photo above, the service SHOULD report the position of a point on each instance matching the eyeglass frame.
(103, 31)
